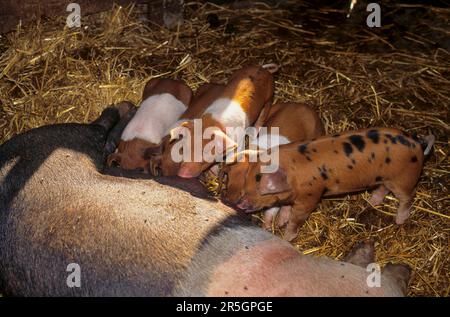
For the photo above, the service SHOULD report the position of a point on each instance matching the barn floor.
(355, 76)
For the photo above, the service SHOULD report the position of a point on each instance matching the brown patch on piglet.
(130, 155)
(176, 88)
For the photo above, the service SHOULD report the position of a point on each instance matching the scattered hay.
(354, 76)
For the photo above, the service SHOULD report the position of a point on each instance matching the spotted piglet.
(164, 101)
(295, 122)
(339, 164)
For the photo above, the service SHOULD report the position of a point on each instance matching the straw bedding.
(354, 76)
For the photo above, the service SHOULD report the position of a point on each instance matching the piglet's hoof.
(269, 215)
(402, 216)
(266, 226)
(289, 234)
(362, 254)
(283, 216)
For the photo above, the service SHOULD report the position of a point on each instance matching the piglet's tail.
(271, 68)
(427, 143)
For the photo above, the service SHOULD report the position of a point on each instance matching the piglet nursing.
(239, 105)
(164, 101)
(161, 161)
(295, 122)
(333, 165)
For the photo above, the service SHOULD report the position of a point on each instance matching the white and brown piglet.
(164, 101)
(295, 122)
(237, 106)
(161, 162)
(339, 164)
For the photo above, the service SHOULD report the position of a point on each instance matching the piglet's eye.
(258, 177)
(225, 177)
(115, 164)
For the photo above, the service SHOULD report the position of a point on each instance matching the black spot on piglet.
(358, 141)
(387, 160)
(374, 136)
(323, 172)
(414, 159)
(302, 148)
(347, 148)
(378, 179)
(390, 137)
(403, 140)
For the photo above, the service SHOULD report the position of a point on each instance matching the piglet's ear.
(149, 87)
(273, 183)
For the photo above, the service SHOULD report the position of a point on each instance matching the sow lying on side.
(134, 237)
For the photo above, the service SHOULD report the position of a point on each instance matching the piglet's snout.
(114, 159)
(229, 202)
(234, 202)
(245, 205)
